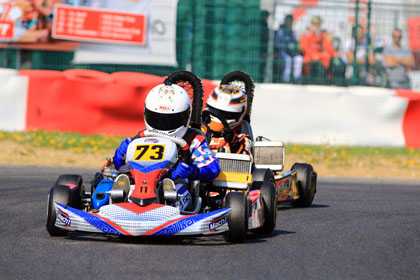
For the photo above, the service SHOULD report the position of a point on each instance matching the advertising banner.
(98, 31)
(98, 25)
(159, 47)
(414, 33)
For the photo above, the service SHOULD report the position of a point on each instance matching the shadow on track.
(214, 240)
(284, 207)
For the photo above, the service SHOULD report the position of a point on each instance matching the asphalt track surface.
(355, 230)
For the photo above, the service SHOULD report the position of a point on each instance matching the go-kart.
(135, 200)
(256, 181)
(140, 200)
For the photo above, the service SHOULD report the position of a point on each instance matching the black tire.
(238, 217)
(306, 183)
(269, 196)
(259, 175)
(68, 191)
(268, 193)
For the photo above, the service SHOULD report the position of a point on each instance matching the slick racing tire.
(67, 191)
(238, 217)
(269, 197)
(306, 183)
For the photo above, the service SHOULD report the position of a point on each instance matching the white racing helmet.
(168, 110)
(228, 101)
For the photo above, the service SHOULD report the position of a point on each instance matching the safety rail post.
(368, 36)
(355, 77)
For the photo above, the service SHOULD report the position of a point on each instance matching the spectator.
(398, 61)
(288, 51)
(362, 46)
(370, 73)
(317, 51)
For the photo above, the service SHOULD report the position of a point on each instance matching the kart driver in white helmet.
(168, 111)
(228, 102)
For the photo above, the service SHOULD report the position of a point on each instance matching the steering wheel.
(227, 130)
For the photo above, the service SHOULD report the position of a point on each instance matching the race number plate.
(149, 152)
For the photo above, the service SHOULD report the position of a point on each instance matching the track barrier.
(93, 102)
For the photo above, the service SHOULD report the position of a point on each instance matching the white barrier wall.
(13, 100)
(329, 115)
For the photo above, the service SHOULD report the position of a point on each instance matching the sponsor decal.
(282, 184)
(165, 108)
(91, 219)
(71, 185)
(63, 217)
(217, 223)
(177, 227)
(186, 222)
(184, 199)
(151, 140)
(252, 208)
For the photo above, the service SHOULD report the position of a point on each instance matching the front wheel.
(238, 217)
(268, 193)
(67, 191)
(269, 198)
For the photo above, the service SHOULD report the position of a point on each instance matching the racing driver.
(228, 102)
(168, 111)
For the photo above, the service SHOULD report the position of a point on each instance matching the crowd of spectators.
(318, 57)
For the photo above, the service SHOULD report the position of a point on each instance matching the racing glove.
(182, 171)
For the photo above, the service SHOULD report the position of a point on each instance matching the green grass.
(62, 141)
(332, 156)
(348, 155)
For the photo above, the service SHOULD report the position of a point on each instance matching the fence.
(358, 30)
(217, 36)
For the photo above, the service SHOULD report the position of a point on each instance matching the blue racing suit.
(198, 161)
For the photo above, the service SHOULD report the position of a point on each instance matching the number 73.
(149, 152)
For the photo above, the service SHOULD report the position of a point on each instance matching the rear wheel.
(238, 217)
(67, 191)
(306, 183)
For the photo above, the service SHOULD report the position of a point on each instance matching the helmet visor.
(226, 115)
(166, 122)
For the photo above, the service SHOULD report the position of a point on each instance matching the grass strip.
(335, 160)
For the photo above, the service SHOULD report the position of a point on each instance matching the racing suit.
(238, 143)
(199, 163)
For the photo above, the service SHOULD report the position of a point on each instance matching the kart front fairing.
(129, 219)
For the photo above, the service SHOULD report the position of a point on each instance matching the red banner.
(90, 102)
(414, 33)
(100, 25)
